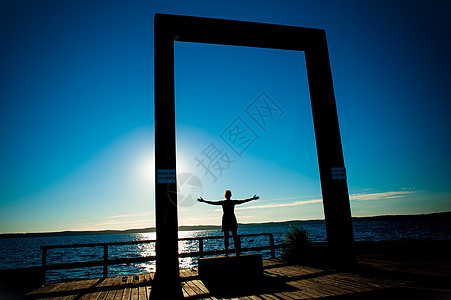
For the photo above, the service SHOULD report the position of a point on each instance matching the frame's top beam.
(237, 33)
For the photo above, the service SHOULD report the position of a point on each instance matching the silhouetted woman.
(229, 222)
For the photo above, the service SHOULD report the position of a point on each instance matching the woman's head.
(228, 194)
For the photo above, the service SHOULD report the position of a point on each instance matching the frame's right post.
(337, 211)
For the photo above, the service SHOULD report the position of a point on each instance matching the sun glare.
(146, 167)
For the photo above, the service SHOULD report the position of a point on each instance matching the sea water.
(25, 252)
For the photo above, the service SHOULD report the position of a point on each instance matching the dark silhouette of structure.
(229, 222)
(170, 28)
(232, 276)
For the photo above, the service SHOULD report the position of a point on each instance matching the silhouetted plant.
(297, 244)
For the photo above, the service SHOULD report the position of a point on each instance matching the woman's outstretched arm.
(200, 199)
(255, 197)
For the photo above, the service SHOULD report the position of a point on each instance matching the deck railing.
(105, 262)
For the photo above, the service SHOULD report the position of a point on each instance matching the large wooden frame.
(170, 28)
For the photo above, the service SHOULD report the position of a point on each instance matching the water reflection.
(25, 252)
(189, 246)
(145, 250)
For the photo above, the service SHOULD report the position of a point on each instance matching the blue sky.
(76, 112)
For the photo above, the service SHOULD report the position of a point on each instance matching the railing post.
(105, 261)
(271, 243)
(44, 265)
(201, 247)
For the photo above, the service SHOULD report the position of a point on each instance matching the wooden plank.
(142, 278)
(268, 297)
(183, 273)
(123, 280)
(331, 282)
(147, 277)
(142, 293)
(293, 271)
(51, 298)
(194, 287)
(70, 286)
(184, 292)
(45, 288)
(353, 283)
(201, 286)
(127, 293)
(188, 289)
(322, 289)
(362, 287)
(300, 295)
(301, 270)
(365, 281)
(134, 293)
(60, 287)
(293, 295)
(297, 295)
(302, 289)
(337, 289)
(316, 290)
(90, 296)
(105, 282)
(91, 283)
(282, 295)
(73, 296)
(102, 295)
(253, 297)
(86, 296)
(117, 282)
(110, 295)
(192, 272)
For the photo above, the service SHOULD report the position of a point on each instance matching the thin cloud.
(275, 205)
(141, 214)
(352, 197)
(379, 196)
(121, 222)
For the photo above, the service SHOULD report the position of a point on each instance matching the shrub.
(297, 245)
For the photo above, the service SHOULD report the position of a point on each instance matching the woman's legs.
(236, 242)
(226, 242)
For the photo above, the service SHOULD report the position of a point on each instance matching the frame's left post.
(166, 284)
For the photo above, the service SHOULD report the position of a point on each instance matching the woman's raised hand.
(200, 199)
(255, 197)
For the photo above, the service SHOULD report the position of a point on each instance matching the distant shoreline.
(443, 215)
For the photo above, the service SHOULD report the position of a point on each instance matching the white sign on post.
(338, 173)
(166, 176)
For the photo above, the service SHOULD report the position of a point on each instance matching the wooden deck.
(285, 282)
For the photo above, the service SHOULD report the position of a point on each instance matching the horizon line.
(205, 225)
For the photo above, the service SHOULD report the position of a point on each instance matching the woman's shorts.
(229, 224)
